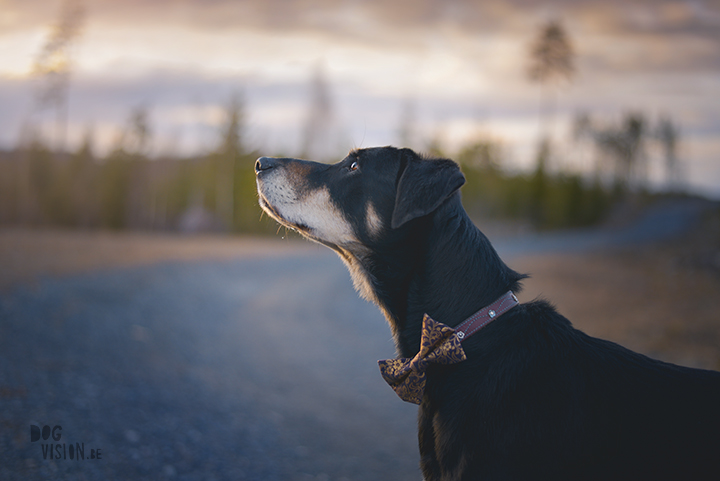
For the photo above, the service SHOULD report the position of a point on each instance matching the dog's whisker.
(364, 132)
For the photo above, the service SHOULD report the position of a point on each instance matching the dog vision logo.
(58, 450)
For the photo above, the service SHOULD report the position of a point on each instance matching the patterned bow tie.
(438, 345)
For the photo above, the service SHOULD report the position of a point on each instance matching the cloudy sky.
(457, 68)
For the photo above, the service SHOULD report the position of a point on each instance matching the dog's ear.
(423, 186)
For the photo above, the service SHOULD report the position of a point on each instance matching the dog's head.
(353, 204)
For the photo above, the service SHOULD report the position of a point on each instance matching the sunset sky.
(459, 65)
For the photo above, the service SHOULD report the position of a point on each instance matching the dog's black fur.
(536, 398)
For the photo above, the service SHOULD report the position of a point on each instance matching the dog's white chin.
(313, 215)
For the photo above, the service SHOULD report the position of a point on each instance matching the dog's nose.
(264, 163)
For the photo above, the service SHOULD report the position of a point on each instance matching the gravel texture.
(245, 369)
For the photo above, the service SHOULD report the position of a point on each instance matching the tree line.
(126, 189)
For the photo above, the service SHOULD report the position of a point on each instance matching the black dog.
(535, 398)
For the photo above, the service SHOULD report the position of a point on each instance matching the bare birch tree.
(551, 62)
(319, 120)
(54, 63)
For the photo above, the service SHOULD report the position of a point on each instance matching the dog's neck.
(444, 267)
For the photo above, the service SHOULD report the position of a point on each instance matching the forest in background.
(127, 189)
(42, 184)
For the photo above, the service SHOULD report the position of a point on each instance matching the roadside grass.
(662, 300)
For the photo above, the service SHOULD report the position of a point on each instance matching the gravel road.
(228, 369)
(248, 369)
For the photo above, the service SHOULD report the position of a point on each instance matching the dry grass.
(644, 302)
(661, 300)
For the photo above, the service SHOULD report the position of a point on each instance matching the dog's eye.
(353, 166)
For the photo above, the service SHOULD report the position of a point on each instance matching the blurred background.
(147, 115)
(589, 133)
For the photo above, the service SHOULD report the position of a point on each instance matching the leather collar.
(484, 316)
